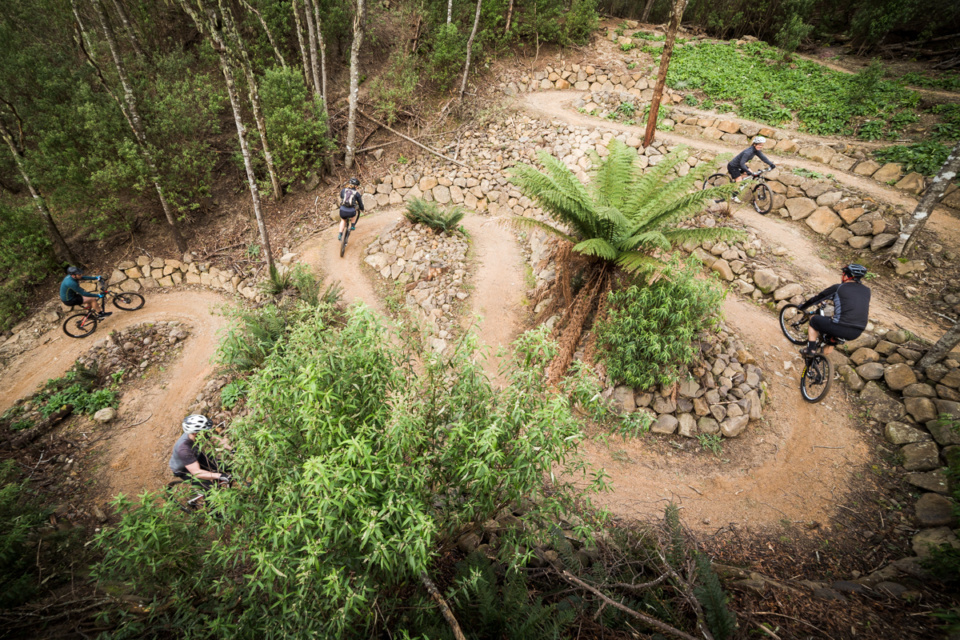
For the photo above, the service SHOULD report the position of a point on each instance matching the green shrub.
(359, 478)
(252, 337)
(394, 89)
(296, 123)
(306, 283)
(580, 21)
(20, 516)
(650, 331)
(925, 157)
(447, 56)
(24, 262)
(420, 211)
(233, 393)
(793, 30)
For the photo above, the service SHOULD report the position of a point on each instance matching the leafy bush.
(794, 29)
(580, 21)
(233, 393)
(420, 211)
(306, 283)
(360, 477)
(925, 157)
(650, 332)
(252, 337)
(25, 262)
(19, 518)
(394, 89)
(822, 101)
(447, 56)
(296, 123)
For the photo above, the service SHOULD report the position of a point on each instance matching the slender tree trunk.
(944, 345)
(932, 197)
(506, 29)
(213, 27)
(128, 28)
(266, 29)
(676, 14)
(254, 94)
(311, 31)
(449, 11)
(305, 57)
(60, 247)
(473, 34)
(133, 118)
(359, 20)
(646, 11)
(84, 34)
(323, 57)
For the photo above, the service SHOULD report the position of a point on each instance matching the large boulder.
(881, 406)
(870, 371)
(925, 542)
(722, 267)
(788, 291)
(900, 433)
(733, 427)
(766, 280)
(824, 221)
(800, 208)
(623, 399)
(920, 456)
(687, 425)
(937, 480)
(882, 241)
(921, 409)
(665, 424)
(935, 510)
(888, 172)
(708, 425)
(943, 432)
(864, 355)
(899, 377)
(851, 377)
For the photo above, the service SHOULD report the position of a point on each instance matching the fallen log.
(26, 437)
(409, 139)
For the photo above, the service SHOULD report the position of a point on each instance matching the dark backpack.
(348, 198)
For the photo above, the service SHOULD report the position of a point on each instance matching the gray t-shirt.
(185, 452)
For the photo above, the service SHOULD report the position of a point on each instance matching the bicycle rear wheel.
(343, 243)
(793, 323)
(816, 378)
(716, 180)
(128, 301)
(762, 199)
(80, 325)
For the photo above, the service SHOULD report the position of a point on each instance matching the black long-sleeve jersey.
(851, 303)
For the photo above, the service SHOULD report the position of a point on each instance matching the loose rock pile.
(431, 266)
(136, 348)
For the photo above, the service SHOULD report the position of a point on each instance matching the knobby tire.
(790, 316)
(128, 301)
(343, 243)
(716, 180)
(762, 199)
(816, 378)
(80, 325)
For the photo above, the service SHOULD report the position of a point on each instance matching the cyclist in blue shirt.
(72, 294)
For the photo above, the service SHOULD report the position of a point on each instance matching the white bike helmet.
(758, 140)
(196, 423)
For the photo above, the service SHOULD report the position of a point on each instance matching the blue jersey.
(70, 289)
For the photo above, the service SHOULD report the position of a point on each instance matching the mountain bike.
(762, 195)
(817, 368)
(346, 236)
(82, 324)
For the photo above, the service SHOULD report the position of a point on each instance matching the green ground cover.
(821, 101)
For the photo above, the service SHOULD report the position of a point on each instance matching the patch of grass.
(806, 173)
(712, 442)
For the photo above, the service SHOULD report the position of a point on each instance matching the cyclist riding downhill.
(851, 310)
(191, 464)
(351, 204)
(738, 169)
(72, 294)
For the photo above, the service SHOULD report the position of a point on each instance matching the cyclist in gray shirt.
(188, 462)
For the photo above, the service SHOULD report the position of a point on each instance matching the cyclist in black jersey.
(738, 169)
(851, 309)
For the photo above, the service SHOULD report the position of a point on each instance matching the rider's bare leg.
(343, 224)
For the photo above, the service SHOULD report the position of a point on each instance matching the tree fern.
(713, 599)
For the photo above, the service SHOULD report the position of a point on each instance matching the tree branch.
(409, 139)
(444, 607)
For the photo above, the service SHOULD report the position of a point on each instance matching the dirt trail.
(557, 105)
(498, 294)
(136, 454)
(794, 466)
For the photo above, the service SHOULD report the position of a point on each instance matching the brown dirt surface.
(791, 467)
(149, 418)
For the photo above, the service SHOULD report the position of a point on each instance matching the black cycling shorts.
(735, 171)
(73, 299)
(346, 215)
(826, 326)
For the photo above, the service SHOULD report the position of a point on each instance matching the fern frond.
(521, 222)
(651, 182)
(713, 599)
(647, 240)
(635, 262)
(597, 247)
(678, 210)
(558, 192)
(701, 234)
(613, 174)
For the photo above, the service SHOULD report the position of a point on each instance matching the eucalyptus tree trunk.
(646, 11)
(932, 197)
(132, 115)
(266, 29)
(676, 14)
(84, 34)
(254, 94)
(128, 28)
(209, 22)
(323, 56)
(60, 247)
(311, 32)
(944, 345)
(449, 11)
(473, 34)
(359, 19)
(304, 56)
(506, 28)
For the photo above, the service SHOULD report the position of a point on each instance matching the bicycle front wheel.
(793, 323)
(128, 301)
(343, 243)
(80, 325)
(762, 199)
(716, 180)
(816, 378)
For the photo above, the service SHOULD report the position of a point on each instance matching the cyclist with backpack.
(351, 203)
(851, 309)
(72, 294)
(189, 463)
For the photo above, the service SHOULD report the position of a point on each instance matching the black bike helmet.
(354, 182)
(74, 271)
(855, 271)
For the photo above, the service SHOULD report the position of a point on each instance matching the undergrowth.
(923, 157)
(420, 211)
